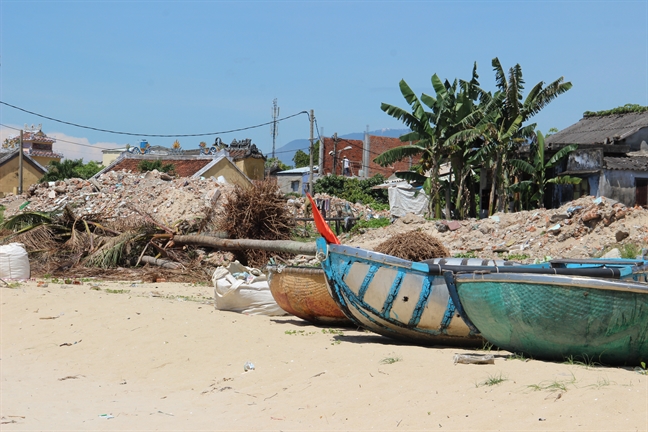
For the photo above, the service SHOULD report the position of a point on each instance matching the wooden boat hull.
(303, 292)
(556, 317)
(393, 297)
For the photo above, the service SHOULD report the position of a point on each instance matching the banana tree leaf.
(411, 176)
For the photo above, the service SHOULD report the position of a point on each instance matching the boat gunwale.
(561, 280)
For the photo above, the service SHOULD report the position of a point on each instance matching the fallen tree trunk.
(161, 262)
(288, 246)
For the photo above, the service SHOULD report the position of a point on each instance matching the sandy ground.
(160, 357)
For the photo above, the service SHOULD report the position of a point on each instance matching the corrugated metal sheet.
(600, 129)
(636, 163)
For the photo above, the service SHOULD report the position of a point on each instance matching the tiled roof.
(7, 156)
(242, 153)
(183, 167)
(635, 163)
(43, 153)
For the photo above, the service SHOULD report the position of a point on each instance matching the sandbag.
(244, 289)
(14, 262)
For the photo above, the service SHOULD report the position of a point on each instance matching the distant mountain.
(286, 152)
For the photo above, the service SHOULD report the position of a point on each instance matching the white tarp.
(404, 198)
(14, 262)
(244, 289)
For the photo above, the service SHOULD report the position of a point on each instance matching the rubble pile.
(121, 194)
(583, 228)
(299, 207)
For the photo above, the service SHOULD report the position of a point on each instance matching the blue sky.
(167, 67)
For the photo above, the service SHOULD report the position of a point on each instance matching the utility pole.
(365, 154)
(312, 149)
(20, 164)
(274, 130)
(335, 141)
(320, 170)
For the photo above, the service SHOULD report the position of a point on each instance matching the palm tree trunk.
(491, 201)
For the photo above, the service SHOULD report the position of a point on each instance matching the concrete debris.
(582, 228)
(115, 194)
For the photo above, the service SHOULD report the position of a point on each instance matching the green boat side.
(557, 317)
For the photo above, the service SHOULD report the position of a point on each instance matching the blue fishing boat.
(410, 301)
(553, 316)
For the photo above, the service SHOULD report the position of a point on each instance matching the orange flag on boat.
(321, 224)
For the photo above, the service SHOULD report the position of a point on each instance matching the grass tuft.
(492, 380)
(390, 360)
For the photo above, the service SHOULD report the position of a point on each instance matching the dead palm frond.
(40, 237)
(115, 250)
(27, 220)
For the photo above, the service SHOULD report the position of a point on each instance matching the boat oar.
(321, 225)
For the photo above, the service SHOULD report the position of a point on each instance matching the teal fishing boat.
(409, 300)
(555, 317)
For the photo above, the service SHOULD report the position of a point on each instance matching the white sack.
(243, 289)
(404, 199)
(14, 262)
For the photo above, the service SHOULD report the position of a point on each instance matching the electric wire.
(65, 141)
(151, 135)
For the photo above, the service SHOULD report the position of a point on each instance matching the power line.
(65, 141)
(151, 135)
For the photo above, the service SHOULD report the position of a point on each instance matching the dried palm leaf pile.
(413, 245)
(259, 213)
(122, 225)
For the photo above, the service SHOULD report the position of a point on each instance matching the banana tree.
(538, 167)
(424, 144)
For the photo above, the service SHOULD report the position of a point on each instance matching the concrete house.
(38, 152)
(612, 157)
(216, 165)
(295, 180)
(245, 155)
(360, 154)
(32, 172)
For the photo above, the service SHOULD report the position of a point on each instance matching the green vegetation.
(390, 360)
(299, 332)
(518, 356)
(302, 159)
(625, 109)
(630, 250)
(518, 257)
(147, 165)
(471, 129)
(371, 223)
(353, 189)
(585, 361)
(71, 168)
(642, 369)
(492, 380)
(116, 291)
(532, 190)
(275, 162)
(553, 386)
(2, 209)
(469, 254)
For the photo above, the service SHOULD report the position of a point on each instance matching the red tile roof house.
(194, 166)
(358, 152)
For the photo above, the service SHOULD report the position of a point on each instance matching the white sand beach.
(160, 357)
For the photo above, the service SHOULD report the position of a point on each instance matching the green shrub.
(147, 165)
(353, 189)
(371, 223)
